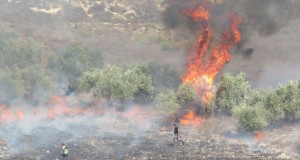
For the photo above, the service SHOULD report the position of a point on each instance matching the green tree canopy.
(166, 102)
(186, 93)
(270, 101)
(231, 90)
(118, 83)
(251, 118)
(141, 81)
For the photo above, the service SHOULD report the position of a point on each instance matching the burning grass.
(120, 138)
(130, 134)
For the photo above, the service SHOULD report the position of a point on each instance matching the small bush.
(251, 118)
(166, 102)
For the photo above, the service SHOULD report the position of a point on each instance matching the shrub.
(186, 93)
(291, 100)
(231, 90)
(251, 118)
(141, 82)
(70, 63)
(30, 83)
(18, 52)
(166, 102)
(37, 81)
(11, 84)
(270, 101)
(118, 83)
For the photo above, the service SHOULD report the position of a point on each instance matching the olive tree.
(107, 83)
(270, 100)
(186, 93)
(251, 118)
(166, 102)
(140, 81)
(231, 90)
(291, 100)
(118, 83)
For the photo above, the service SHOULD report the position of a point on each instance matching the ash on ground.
(127, 139)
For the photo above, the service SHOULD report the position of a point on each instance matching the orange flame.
(59, 107)
(6, 114)
(191, 119)
(206, 63)
(259, 135)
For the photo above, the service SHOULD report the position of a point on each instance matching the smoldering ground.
(134, 132)
(48, 126)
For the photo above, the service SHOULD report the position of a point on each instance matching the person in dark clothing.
(176, 132)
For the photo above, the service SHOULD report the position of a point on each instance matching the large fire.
(210, 54)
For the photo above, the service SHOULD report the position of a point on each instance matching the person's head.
(174, 125)
(62, 145)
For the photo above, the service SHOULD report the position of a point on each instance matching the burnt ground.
(126, 139)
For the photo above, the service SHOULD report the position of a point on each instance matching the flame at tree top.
(208, 59)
